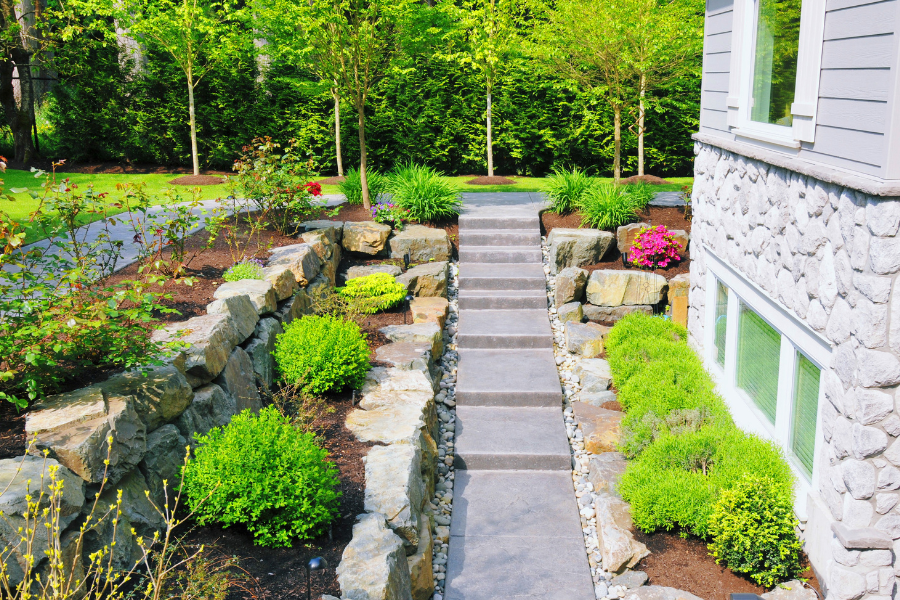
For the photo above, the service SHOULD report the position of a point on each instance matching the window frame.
(806, 90)
(796, 338)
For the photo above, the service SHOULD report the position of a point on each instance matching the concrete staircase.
(515, 531)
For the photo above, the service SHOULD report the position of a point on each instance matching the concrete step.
(504, 329)
(511, 438)
(500, 254)
(516, 534)
(500, 237)
(498, 220)
(502, 299)
(501, 276)
(508, 378)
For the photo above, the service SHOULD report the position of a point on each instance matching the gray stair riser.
(495, 237)
(503, 341)
(502, 283)
(501, 302)
(520, 399)
(473, 222)
(512, 254)
(512, 462)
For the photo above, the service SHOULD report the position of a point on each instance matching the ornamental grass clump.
(322, 354)
(424, 193)
(566, 190)
(261, 472)
(654, 247)
(249, 269)
(372, 293)
(607, 206)
(351, 187)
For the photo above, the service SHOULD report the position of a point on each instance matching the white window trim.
(795, 337)
(806, 93)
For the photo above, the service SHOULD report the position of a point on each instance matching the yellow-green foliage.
(372, 293)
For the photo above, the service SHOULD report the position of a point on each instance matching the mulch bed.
(651, 179)
(496, 180)
(197, 180)
(671, 217)
(332, 180)
(113, 168)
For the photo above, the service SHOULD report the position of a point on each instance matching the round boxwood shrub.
(262, 472)
(322, 353)
(753, 530)
(371, 293)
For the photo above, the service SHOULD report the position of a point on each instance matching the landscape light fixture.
(406, 261)
(409, 299)
(315, 564)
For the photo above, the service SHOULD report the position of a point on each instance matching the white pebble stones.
(584, 492)
(442, 503)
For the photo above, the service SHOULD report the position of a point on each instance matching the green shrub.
(371, 293)
(351, 187)
(322, 353)
(676, 481)
(640, 193)
(566, 190)
(262, 472)
(638, 339)
(250, 269)
(754, 531)
(607, 206)
(424, 193)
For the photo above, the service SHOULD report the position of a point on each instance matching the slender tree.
(199, 35)
(19, 43)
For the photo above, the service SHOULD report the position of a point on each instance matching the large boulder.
(395, 489)
(421, 573)
(625, 235)
(429, 279)
(570, 312)
(242, 313)
(260, 291)
(365, 237)
(238, 380)
(363, 270)
(260, 349)
(208, 340)
(430, 309)
(570, 284)
(602, 428)
(301, 259)
(679, 288)
(211, 407)
(618, 548)
(422, 243)
(604, 472)
(420, 333)
(332, 229)
(81, 442)
(576, 247)
(593, 375)
(658, 592)
(791, 590)
(585, 339)
(282, 279)
(387, 387)
(327, 250)
(136, 506)
(374, 565)
(162, 464)
(159, 394)
(407, 356)
(611, 314)
(617, 288)
(295, 307)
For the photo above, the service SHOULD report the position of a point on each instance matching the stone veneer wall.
(831, 256)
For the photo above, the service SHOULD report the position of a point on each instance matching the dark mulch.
(495, 180)
(280, 572)
(12, 431)
(612, 405)
(197, 180)
(332, 180)
(651, 179)
(135, 168)
(671, 217)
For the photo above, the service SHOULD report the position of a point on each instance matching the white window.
(768, 367)
(776, 57)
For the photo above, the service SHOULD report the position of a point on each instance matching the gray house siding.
(856, 89)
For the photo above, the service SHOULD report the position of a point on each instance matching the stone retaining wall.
(153, 414)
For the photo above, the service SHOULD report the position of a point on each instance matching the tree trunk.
(19, 112)
(363, 181)
(194, 156)
(490, 143)
(337, 131)
(640, 127)
(617, 142)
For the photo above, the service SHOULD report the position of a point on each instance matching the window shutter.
(741, 12)
(809, 67)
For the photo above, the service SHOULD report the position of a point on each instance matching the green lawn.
(157, 184)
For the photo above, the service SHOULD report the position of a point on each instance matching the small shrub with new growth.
(351, 187)
(424, 193)
(607, 206)
(567, 190)
(322, 354)
(641, 194)
(375, 292)
(250, 269)
(654, 247)
(753, 528)
(262, 472)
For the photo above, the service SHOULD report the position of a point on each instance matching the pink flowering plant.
(654, 247)
(390, 214)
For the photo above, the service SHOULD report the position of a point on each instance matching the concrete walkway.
(515, 532)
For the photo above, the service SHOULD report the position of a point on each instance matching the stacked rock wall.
(829, 255)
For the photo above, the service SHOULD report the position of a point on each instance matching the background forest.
(112, 105)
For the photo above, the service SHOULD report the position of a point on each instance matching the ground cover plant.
(249, 269)
(689, 461)
(373, 293)
(262, 472)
